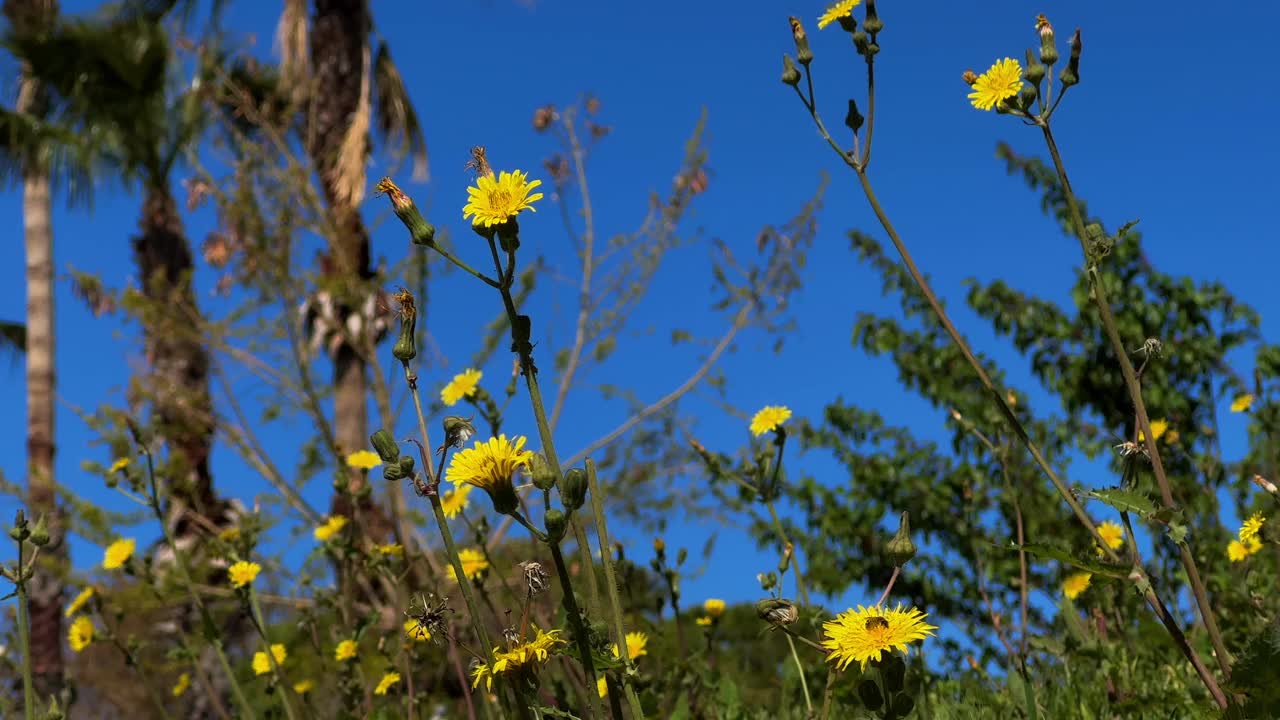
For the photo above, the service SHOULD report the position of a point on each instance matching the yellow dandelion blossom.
(1000, 82)
(1251, 527)
(416, 631)
(1112, 534)
(454, 501)
(302, 687)
(704, 620)
(602, 686)
(844, 8)
(866, 634)
(473, 562)
(262, 664)
(180, 687)
(1158, 429)
(489, 466)
(363, 460)
(79, 602)
(523, 655)
(637, 642)
(80, 634)
(494, 201)
(386, 682)
(769, 418)
(243, 573)
(118, 553)
(713, 607)
(1238, 551)
(395, 549)
(1242, 403)
(229, 535)
(345, 651)
(462, 385)
(332, 526)
(119, 465)
(1075, 584)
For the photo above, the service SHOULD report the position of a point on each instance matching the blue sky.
(1165, 127)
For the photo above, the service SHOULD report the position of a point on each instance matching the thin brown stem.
(888, 588)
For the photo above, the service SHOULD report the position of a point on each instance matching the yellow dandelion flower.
(454, 501)
(526, 654)
(1238, 551)
(243, 573)
(118, 553)
(489, 466)
(714, 607)
(1251, 527)
(866, 634)
(1242, 403)
(494, 201)
(180, 687)
(602, 686)
(80, 634)
(416, 631)
(262, 665)
(302, 687)
(462, 385)
(118, 466)
(363, 460)
(1112, 534)
(1075, 584)
(844, 8)
(1158, 429)
(345, 651)
(473, 563)
(79, 602)
(332, 526)
(1000, 82)
(386, 682)
(636, 644)
(391, 549)
(229, 535)
(704, 620)
(769, 418)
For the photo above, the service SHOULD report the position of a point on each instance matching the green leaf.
(1063, 555)
(1125, 501)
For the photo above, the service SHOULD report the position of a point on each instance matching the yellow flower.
(769, 418)
(1251, 527)
(80, 634)
(118, 553)
(636, 644)
(363, 460)
(118, 466)
(1238, 551)
(865, 634)
(332, 526)
(525, 654)
(714, 607)
(454, 501)
(489, 466)
(243, 573)
(473, 562)
(1158, 429)
(462, 385)
(386, 682)
(1242, 403)
(602, 686)
(1000, 82)
(1112, 534)
(1075, 584)
(345, 651)
(495, 201)
(391, 549)
(416, 631)
(302, 687)
(79, 602)
(229, 535)
(262, 665)
(704, 620)
(180, 687)
(843, 8)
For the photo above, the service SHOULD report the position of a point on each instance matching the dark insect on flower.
(877, 623)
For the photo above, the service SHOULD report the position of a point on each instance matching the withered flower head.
(478, 163)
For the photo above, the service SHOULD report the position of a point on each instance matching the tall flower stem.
(258, 621)
(787, 547)
(804, 686)
(579, 629)
(24, 638)
(1135, 396)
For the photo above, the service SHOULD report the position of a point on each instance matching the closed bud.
(405, 348)
(555, 522)
(900, 549)
(457, 430)
(777, 611)
(659, 545)
(804, 55)
(860, 42)
(872, 23)
(1070, 74)
(544, 478)
(1035, 71)
(1027, 96)
(903, 704)
(768, 581)
(40, 533)
(573, 491)
(853, 119)
(19, 531)
(790, 75)
(894, 672)
(869, 694)
(1048, 45)
(681, 555)
(970, 77)
(406, 465)
(391, 472)
(421, 232)
(385, 445)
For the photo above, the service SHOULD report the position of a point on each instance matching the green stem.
(777, 521)
(271, 658)
(24, 640)
(804, 686)
(830, 692)
(477, 622)
(579, 629)
(588, 564)
(611, 582)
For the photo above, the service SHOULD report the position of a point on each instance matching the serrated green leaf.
(1063, 555)
(1125, 501)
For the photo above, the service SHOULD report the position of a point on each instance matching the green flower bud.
(903, 704)
(790, 75)
(40, 533)
(1035, 71)
(405, 349)
(869, 694)
(860, 42)
(872, 23)
(19, 530)
(894, 672)
(457, 430)
(544, 478)
(391, 472)
(573, 491)
(853, 119)
(900, 549)
(385, 445)
(777, 611)
(421, 232)
(681, 555)
(1070, 74)
(406, 465)
(1027, 96)
(54, 712)
(555, 522)
(804, 55)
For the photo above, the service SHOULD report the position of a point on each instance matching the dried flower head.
(536, 577)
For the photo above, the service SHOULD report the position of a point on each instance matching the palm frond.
(13, 339)
(72, 158)
(397, 121)
(291, 42)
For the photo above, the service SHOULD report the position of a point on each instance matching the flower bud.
(457, 430)
(872, 23)
(681, 555)
(509, 235)
(790, 75)
(1070, 74)
(970, 77)
(1035, 71)
(406, 465)
(19, 531)
(555, 522)
(860, 42)
(903, 704)
(900, 549)
(659, 545)
(869, 694)
(421, 232)
(853, 119)
(573, 491)
(1048, 46)
(894, 672)
(385, 445)
(804, 55)
(40, 533)
(1027, 96)
(405, 350)
(544, 478)
(777, 611)
(391, 472)
(768, 581)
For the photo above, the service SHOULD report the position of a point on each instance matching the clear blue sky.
(1169, 126)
